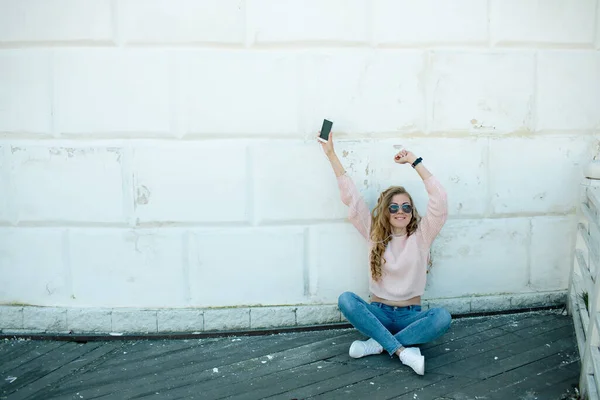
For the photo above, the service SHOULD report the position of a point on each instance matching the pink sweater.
(404, 272)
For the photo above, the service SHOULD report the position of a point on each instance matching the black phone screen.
(325, 129)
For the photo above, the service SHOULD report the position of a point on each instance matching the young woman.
(399, 246)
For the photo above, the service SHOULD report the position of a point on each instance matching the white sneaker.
(412, 357)
(360, 348)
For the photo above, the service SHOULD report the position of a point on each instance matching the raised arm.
(437, 206)
(358, 211)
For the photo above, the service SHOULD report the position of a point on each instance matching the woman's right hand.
(328, 146)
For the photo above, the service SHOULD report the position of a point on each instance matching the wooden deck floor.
(517, 356)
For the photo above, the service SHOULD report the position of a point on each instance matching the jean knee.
(346, 301)
(443, 318)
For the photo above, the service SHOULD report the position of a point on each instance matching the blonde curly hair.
(381, 229)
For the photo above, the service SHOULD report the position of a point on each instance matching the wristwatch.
(417, 161)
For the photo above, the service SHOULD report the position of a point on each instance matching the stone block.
(181, 21)
(552, 252)
(194, 182)
(281, 21)
(455, 306)
(272, 317)
(134, 321)
(488, 92)
(534, 22)
(430, 22)
(46, 319)
(227, 93)
(530, 185)
(174, 320)
(25, 79)
(339, 262)
(568, 90)
(89, 320)
(74, 184)
(480, 257)
(226, 319)
(33, 268)
(127, 268)
(11, 317)
(107, 91)
(266, 267)
(364, 92)
(30, 21)
(318, 314)
(490, 303)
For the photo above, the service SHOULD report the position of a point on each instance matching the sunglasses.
(406, 208)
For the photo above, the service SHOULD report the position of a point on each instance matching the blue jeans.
(394, 327)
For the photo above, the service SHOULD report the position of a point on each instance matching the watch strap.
(417, 161)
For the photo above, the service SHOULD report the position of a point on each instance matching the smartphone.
(325, 130)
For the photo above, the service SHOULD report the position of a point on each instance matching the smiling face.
(401, 218)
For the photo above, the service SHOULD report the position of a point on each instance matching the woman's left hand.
(405, 157)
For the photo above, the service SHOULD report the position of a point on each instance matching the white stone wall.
(160, 154)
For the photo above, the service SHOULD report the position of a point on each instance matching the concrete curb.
(31, 320)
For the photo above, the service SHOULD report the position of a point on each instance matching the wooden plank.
(38, 350)
(468, 341)
(16, 349)
(464, 327)
(468, 361)
(144, 351)
(530, 384)
(49, 362)
(584, 315)
(457, 353)
(143, 363)
(591, 196)
(588, 243)
(329, 385)
(158, 346)
(515, 361)
(529, 320)
(597, 322)
(589, 215)
(281, 366)
(581, 260)
(592, 392)
(38, 389)
(237, 375)
(187, 367)
(482, 349)
(592, 220)
(484, 387)
(394, 383)
(576, 317)
(561, 389)
(274, 384)
(209, 348)
(595, 361)
(437, 389)
(549, 325)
